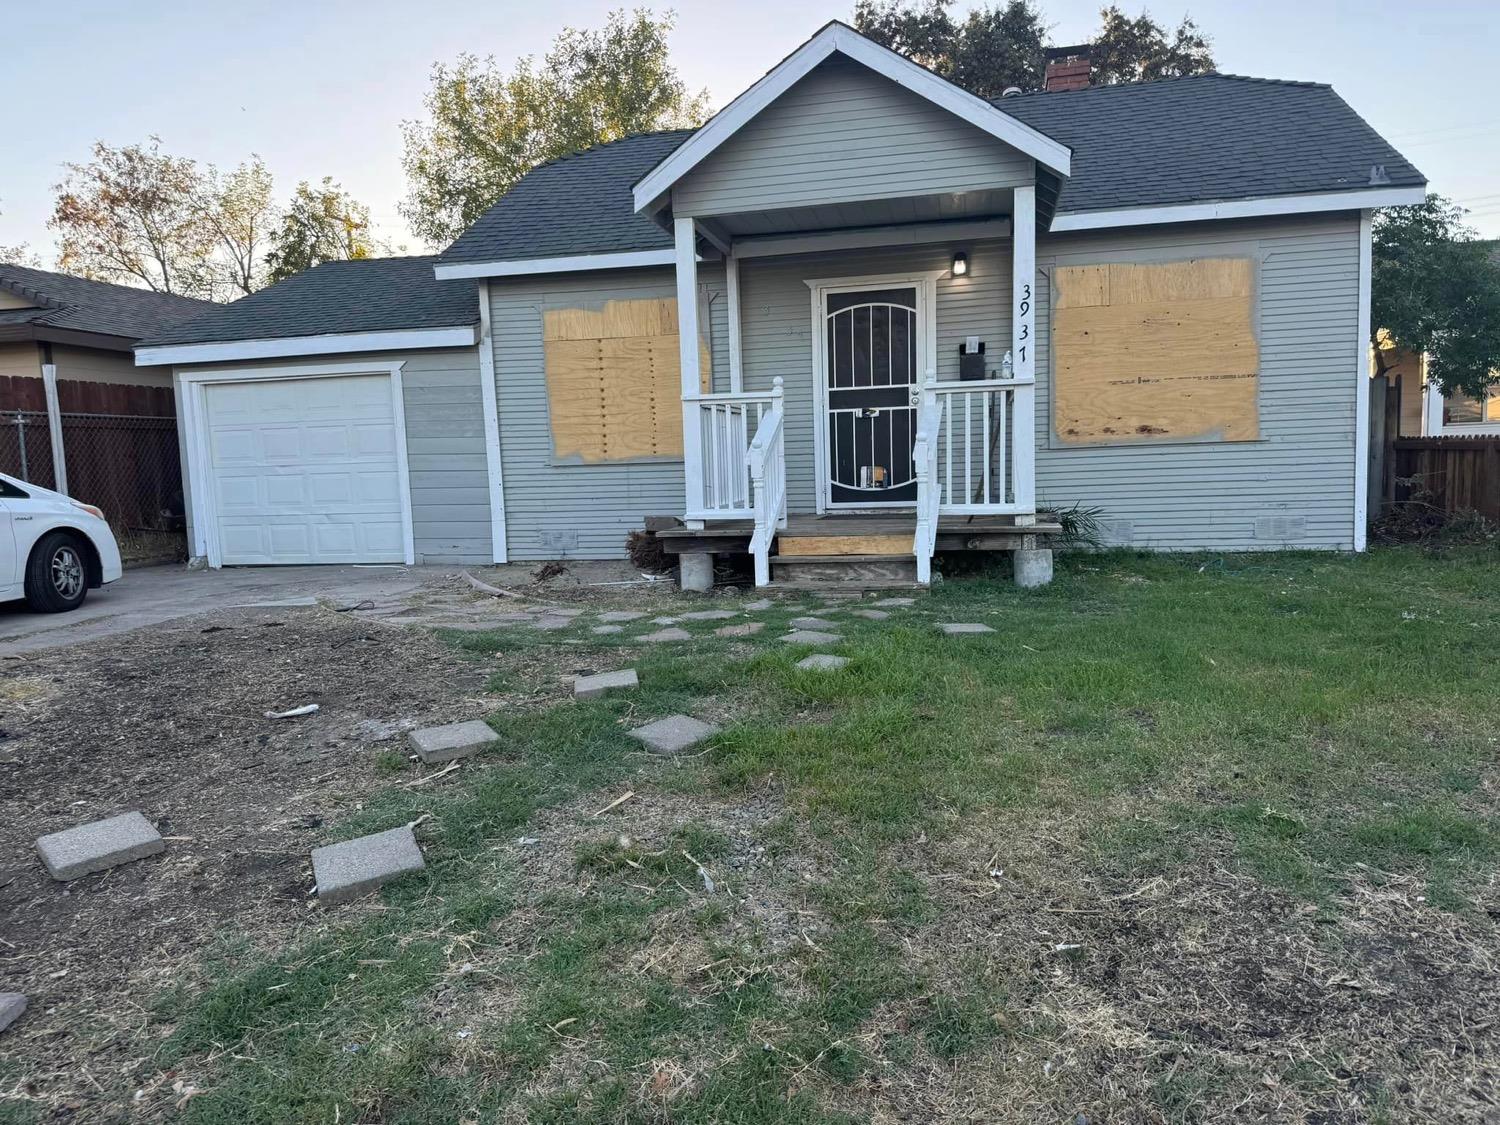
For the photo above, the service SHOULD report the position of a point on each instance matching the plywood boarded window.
(1160, 351)
(613, 380)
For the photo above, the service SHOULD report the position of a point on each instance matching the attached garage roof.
(337, 298)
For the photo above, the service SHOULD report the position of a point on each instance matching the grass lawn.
(1185, 839)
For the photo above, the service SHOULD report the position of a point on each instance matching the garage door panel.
(305, 470)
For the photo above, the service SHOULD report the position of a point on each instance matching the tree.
(238, 210)
(1005, 45)
(133, 215)
(1138, 50)
(321, 224)
(1435, 289)
(486, 129)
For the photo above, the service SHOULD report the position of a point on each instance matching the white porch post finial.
(686, 237)
(1023, 347)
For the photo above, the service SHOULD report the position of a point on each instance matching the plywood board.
(846, 544)
(613, 380)
(1155, 352)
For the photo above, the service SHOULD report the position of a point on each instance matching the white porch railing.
(727, 423)
(973, 454)
(766, 462)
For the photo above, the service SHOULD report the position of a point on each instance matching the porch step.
(868, 572)
(846, 545)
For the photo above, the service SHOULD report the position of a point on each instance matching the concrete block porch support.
(696, 570)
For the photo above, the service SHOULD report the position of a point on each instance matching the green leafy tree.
(133, 215)
(320, 224)
(1140, 49)
(1435, 289)
(1005, 44)
(485, 128)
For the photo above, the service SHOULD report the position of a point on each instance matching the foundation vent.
(1281, 529)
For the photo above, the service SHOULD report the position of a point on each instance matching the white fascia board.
(1269, 205)
(396, 340)
(845, 40)
(575, 263)
(913, 234)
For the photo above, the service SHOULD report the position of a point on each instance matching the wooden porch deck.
(955, 533)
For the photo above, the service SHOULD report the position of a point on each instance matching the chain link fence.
(124, 464)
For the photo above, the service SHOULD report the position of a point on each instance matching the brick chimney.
(1067, 68)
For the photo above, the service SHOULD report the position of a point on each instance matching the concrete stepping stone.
(674, 734)
(812, 623)
(558, 611)
(871, 614)
(811, 637)
(744, 629)
(954, 629)
(12, 1004)
(665, 620)
(895, 602)
(552, 624)
(447, 743)
(710, 615)
(606, 630)
(759, 604)
(592, 687)
(822, 662)
(616, 615)
(356, 867)
(662, 635)
(99, 845)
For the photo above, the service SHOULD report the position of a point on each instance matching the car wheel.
(57, 577)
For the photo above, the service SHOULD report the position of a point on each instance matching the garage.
(305, 470)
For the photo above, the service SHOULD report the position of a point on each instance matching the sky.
(319, 87)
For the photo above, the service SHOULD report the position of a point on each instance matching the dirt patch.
(171, 721)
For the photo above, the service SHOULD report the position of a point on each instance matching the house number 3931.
(1023, 316)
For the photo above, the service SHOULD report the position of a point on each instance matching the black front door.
(870, 364)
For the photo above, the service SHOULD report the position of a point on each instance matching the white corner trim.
(525, 267)
(400, 339)
(193, 402)
(54, 429)
(489, 400)
(856, 238)
(1362, 388)
(1240, 208)
(837, 37)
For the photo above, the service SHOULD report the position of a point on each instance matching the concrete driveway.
(162, 593)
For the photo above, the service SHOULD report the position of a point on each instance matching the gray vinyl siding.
(843, 134)
(450, 500)
(579, 511)
(1294, 487)
(776, 337)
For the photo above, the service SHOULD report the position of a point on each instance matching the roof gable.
(842, 39)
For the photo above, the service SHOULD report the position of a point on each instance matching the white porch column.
(1023, 347)
(732, 293)
(54, 428)
(686, 238)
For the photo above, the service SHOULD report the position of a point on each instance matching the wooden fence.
(1458, 473)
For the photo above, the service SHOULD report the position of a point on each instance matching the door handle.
(915, 398)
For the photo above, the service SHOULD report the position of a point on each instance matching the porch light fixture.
(960, 264)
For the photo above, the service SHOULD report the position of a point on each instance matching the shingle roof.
(80, 305)
(1179, 140)
(1207, 138)
(366, 295)
(578, 204)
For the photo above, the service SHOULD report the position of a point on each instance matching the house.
(76, 413)
(1424, 410)
(858, 316)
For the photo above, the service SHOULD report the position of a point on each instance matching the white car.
(53, 550)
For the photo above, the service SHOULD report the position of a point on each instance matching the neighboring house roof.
(69, 305)
(1205, 139)
(369, 303)
(1208, 138)
(578, 204)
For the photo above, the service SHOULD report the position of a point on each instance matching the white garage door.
(305, 470)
